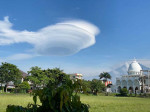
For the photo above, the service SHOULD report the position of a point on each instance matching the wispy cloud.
(64, 38)
(20, 56)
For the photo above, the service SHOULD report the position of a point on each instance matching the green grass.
(21, 99)
(97, 103)
(117, 104)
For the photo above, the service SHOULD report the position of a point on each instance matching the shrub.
(24, 85)
(22, 88)
(123, 92)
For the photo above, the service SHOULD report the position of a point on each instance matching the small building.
(75, 76)
(108, 83)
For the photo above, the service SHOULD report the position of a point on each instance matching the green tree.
(105, 76)
(24, 86)
(9, 72)
(97, 86)
(2, 79)
(56, 76)
(87, 85)
(36, 76)
(40, 77)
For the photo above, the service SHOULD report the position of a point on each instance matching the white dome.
(134, 68)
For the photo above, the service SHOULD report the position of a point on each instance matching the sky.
(78, 36)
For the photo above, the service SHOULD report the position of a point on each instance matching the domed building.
(136, 81)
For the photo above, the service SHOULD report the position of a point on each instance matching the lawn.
(97, 103)
(117, 104)
(14, 100)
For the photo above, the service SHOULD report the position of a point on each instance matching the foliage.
(105, 76)
(57, 96)
(17, 82)
(97, 86)
(87, 85)
(36, 76)
(123, 92)
(145, 95)
(40, 78)
(56, 76)
(93, 86)
(1, 89)
(23, 87)
(9, 72)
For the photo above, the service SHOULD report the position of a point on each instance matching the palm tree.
(105, 76)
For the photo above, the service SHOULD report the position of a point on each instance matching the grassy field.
(117, 104)
(97, 103)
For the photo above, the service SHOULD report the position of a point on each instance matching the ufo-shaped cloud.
(64, 38)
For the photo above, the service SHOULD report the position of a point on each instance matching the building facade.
(75, 76)
(136, 81)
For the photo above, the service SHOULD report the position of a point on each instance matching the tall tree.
(9, 72)
(56, 77)
(41, 77)
(87, 84)
(35, 76)
(97, 86)
(105, 76)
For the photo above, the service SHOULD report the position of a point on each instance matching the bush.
(147, 95)
(123, 92)
(1, 89)
(22, 88)
(24, 85)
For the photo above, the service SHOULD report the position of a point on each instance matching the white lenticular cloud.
(64, 38)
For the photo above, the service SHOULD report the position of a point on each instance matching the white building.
(136, 81)
(76, 76)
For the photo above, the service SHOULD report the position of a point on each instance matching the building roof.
(23, 74)
(134, 67)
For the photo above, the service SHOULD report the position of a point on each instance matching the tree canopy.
(105, 76)
(9, 72)
(40, 77)
(36, 76)
(97, 86)
(24, 85)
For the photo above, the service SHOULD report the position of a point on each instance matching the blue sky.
(121, 30)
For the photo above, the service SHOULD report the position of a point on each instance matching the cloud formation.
(64, 38)
(20, 56)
